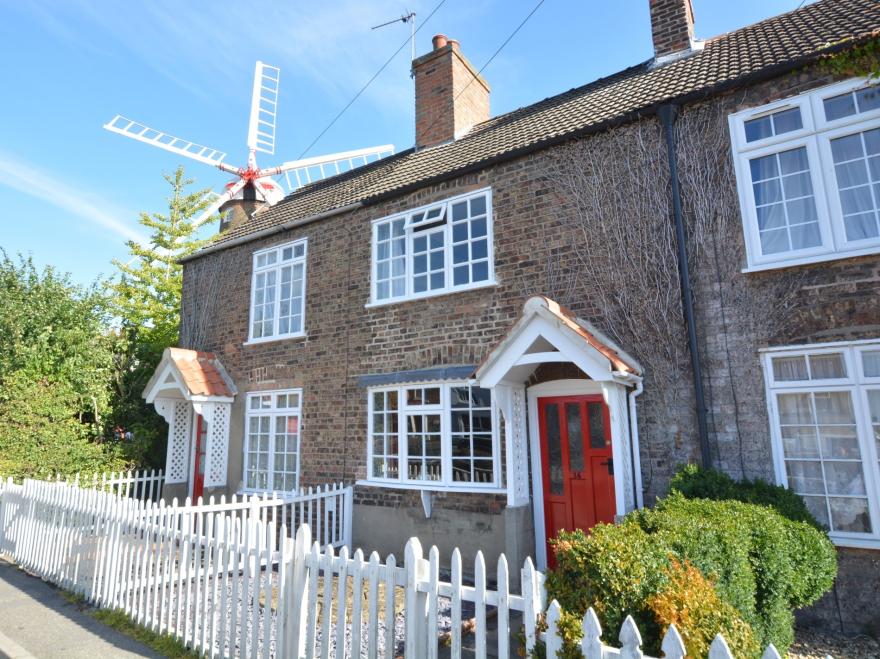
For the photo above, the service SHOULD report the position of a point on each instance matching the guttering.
(667, 114)
(268, 231)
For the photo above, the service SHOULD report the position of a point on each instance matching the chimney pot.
(439, 41)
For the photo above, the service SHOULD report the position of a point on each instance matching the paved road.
(37, 621)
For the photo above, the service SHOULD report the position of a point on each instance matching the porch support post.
(511, 400)
(178, 414)
(615, 396)
(217, 444)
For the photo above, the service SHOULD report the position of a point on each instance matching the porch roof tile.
(201, 372)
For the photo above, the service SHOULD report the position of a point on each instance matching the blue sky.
(70, 192)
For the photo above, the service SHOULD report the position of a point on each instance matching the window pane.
(554, 448)
(871, 363)
(800, 442)
(758, 129)
(788, 369)
(868, 98)
(827, 367)
(795, 409)
(575, 437)
(844, 478)
(840, 106)
(787, 121)
(850, 515)
(805, 477)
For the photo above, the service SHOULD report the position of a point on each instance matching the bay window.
(278, 290)
(436, 434)
(808, 174)
(272, 441)
(433, 249)
(824, 403)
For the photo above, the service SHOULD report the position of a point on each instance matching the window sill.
(855, 543)
(412, 298)
(301, 336)
(808, 260)
(428, 487)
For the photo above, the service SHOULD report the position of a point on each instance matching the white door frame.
(573, 387)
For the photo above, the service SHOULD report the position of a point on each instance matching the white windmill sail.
(143, 133)
(261, 138)
(308, 170)
(264, 108)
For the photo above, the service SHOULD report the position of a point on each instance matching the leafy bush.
(690, 602)
(696, 483)
(759, 563)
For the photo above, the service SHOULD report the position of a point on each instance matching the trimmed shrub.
(757, 562)
(762, 564)
(690, 602)
(696, 483)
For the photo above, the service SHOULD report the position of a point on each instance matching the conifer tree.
(147, 294)
(146, 299)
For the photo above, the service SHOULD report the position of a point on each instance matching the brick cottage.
(528, 322)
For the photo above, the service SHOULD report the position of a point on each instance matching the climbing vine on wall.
(860, 60)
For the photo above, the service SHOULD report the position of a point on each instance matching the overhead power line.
(370, 81)
(494, 55)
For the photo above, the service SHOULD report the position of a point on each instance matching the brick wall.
(833, 300)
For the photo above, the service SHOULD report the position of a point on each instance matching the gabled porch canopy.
(188, 382)
(548, 332)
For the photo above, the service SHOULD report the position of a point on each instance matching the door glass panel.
(554, 448)
(597, 424)
(575, 437)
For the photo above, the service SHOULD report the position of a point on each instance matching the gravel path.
(810, 645)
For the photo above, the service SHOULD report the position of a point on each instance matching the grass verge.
(164, 644)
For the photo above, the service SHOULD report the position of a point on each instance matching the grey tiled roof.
(759, 50)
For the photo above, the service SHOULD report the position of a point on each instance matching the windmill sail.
(264, 108)
(308, 170)
(137, 131)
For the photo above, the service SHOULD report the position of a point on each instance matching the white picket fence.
(227, 582)
(135, 484)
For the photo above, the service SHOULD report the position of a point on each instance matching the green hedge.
(761, 564)
(696, 483)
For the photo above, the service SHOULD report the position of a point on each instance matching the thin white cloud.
(47, 187)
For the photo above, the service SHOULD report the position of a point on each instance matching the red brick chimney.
(450, 96)
(672, 26)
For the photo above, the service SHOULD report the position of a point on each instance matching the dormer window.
(433, 249)
(808, 172)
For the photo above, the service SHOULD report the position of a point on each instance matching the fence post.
(295, 624)
(532, 607)
(346, 515)
(416, 603)
(552, 640)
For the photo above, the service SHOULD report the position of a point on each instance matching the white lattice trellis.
(512, 403)
(217, 449)
(179, 428)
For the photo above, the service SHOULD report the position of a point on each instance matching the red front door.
(199, 457)
(578, 471)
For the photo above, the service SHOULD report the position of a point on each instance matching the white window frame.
(444, 409)
(277, 266)
(449, 287)
(857, 385)
(815, 134)
(273, 413)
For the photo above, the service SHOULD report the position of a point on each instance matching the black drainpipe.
(667, 114)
